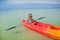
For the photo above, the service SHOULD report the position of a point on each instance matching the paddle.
(40, 18)
(11, 28)
(15, 26)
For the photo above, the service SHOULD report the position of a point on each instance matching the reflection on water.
(13, 18)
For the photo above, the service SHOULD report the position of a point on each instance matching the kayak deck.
(44, 29)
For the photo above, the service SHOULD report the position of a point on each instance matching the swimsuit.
(30, 20)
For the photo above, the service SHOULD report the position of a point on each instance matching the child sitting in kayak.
(30, 20)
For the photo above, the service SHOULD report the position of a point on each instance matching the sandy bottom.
(22, 33)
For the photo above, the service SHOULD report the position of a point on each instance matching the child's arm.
(27, 21)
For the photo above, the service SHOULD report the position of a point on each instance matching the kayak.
(48, 30)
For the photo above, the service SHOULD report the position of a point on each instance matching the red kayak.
(45, 29)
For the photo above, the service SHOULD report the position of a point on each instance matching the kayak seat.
(56, 28)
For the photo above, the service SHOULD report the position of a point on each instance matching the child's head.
(30, 15)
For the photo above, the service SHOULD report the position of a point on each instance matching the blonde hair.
(29, 14)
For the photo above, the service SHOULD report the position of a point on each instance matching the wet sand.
(22, 33)
(31, 35)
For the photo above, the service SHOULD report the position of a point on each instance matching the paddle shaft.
(15, 26)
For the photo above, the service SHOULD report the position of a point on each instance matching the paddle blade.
(10, 28)
(40, 18)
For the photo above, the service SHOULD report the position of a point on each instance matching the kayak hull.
(44, 29)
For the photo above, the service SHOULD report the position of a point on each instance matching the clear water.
(12, 18)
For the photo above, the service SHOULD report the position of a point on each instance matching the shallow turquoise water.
(12, 18)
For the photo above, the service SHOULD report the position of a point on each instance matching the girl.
(30, 20)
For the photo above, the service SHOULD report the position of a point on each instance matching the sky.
(29, 1)
(5, 4)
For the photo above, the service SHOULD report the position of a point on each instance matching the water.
(12, 18)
